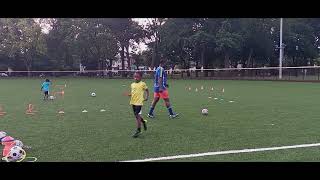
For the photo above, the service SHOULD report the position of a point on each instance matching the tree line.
(187, 42)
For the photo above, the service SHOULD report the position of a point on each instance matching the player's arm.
(147, 94)
(160, 79)
(127, 94)
(165, 82)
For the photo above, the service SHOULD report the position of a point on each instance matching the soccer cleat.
(174, 116)
(150, 115)
(144, 122)
(136, 134)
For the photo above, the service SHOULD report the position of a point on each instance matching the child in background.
(45, 87)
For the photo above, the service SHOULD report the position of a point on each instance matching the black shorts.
(46, 92)
(136, 109)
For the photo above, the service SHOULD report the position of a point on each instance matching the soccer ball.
(204, 111)
(18, 143)
(2, 134)
(93, 94)
(16, 153)
(51, 97)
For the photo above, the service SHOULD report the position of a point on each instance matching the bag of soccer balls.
(13, 149)
(16, 154)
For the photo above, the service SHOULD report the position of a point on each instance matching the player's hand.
(126, 94)
(167, 85)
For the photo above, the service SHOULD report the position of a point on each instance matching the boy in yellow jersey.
(137, 98)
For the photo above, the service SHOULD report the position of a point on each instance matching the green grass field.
(293, 108)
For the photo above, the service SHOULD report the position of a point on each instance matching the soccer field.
(263, 114)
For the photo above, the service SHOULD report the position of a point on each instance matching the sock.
(170, 110)
(138, 123)
(151, 110)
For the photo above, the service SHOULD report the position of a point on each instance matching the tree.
(60, 44)
(134, 34)
(228, 41)
(301, 42)
(207, 42)
(153, 34)
(96, 39)
(175, 45)
(23, 40)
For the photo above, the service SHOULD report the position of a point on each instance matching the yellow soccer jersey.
(137, 92)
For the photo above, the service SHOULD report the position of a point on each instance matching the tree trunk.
(250, 56)
(293, 60)
(226, 60)
(183, 65)
(252, 63)
(29, 69)
(122, 60)
(128, 57)
(28, 65)
(99, 67)
(154, 55)
(188, 66)
(206, 72)
(197, 67)
(202, 57)
(110, 68)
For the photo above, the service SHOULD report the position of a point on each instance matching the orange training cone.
(30, 110)
(2, 113)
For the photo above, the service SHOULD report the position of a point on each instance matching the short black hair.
(47, 80)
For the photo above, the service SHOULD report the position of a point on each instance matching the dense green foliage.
(209, 42)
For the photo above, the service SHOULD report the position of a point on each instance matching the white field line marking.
(224, 152)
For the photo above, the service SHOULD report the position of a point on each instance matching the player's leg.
(168, 105)
(165, 96)
(139, 117)
(136, 111)
(143, 121)
(156, 99)
(45, 95)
